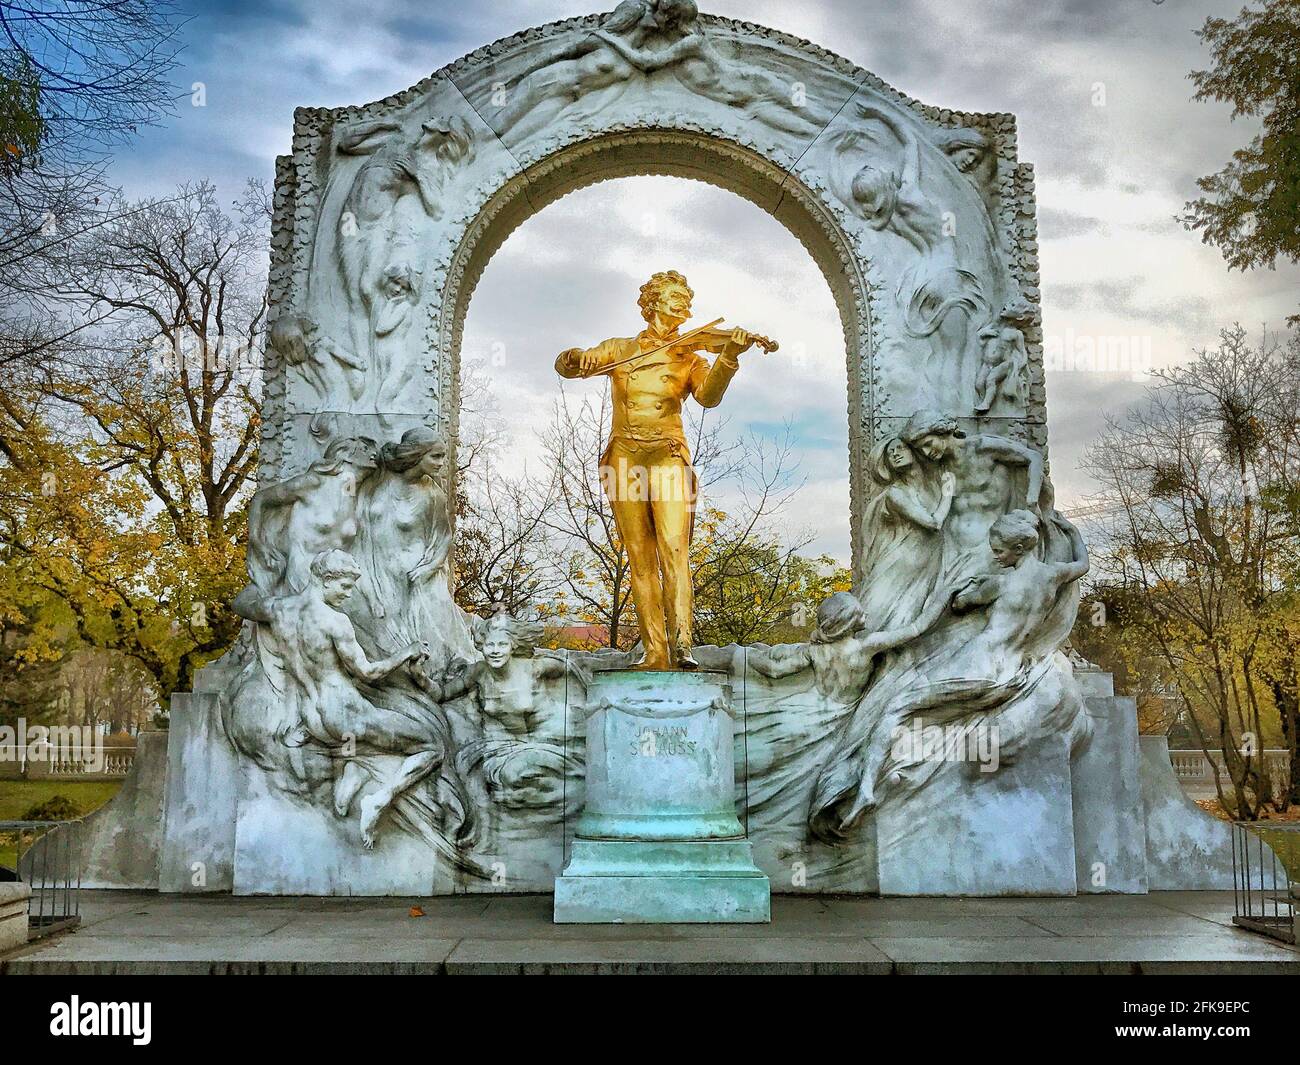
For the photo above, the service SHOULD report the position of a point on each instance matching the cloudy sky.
(1104, 109)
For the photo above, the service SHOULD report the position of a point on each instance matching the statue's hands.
(739, 342)
(584, 360)
(947, 482)
(458, 668)
(419, 571)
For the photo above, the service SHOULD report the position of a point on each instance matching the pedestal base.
(658, 841)
(679, 882)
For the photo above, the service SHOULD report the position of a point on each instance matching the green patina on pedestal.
(658, 841)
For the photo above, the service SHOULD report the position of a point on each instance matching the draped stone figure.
(405, 545)
(700, 67)
(520, 751)
(324, 681)
(641, 38)
(379, 243)
(294, 520)
(999, 664)
(993, 475)
(902, 530)
(840, 657)
(580, 67)
(944, 293)
(1004, 361)
(334, 376)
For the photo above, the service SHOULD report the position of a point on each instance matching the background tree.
(1197, 541)
(502, 549)
(131, 455)
(1250, 209)
(78, 78)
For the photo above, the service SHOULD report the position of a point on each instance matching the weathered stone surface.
(1004, 833)
(1187, 849)
(1183, 932)
(115, 846)
(659, 842)
(13, 914)
(198, 846)
(1106, 793)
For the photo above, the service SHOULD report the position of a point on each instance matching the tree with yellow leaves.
(129, 458)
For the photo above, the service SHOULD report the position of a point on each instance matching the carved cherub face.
(497, 648)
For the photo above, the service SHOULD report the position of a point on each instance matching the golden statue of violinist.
(646, 470)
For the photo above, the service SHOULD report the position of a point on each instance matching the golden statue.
(646, 469)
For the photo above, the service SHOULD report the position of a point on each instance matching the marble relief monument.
(932, 736)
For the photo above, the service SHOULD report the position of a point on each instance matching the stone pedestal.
(658, 841)
(13, 914)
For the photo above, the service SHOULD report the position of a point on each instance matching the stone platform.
(1165, 932)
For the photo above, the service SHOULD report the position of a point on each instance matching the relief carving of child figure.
(1003, 358)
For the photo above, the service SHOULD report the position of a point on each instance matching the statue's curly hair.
(650, 290)
(1018, 528)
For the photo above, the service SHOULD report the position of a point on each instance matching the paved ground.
(1167, 932)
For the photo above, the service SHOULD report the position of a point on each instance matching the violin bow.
(662, 347)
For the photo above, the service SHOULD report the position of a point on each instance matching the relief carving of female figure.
(996, 662)
(902, 534)
(405, 543)
(938, 294)
(381, 221)
(520, 755)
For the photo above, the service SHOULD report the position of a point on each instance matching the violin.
(704, 338)
(712, 339)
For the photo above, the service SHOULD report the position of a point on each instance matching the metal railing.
(1265, 893)
(54, 875)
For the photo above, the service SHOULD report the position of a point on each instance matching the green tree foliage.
(1250, 209)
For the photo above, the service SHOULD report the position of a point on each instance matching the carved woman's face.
(933, 446)
(898, 455)
(430, 464)
(875, 193)
(497, 648)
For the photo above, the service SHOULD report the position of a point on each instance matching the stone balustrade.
(1195, 769)
(110, 763)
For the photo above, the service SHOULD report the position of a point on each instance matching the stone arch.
(687, 155)
(791, 127)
